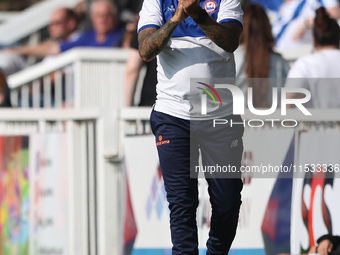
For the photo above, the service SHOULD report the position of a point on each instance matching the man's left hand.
(191, 7)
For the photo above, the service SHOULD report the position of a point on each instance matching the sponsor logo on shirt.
(210, 6)
(161, 141)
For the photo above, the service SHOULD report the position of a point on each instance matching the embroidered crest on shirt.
(171, 8)
(210, 6)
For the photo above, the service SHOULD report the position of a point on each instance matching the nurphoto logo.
(240, 101)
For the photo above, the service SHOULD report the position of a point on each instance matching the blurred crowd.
(270, 27)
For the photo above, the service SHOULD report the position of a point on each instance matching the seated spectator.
(63, 26)
(312, 70)
(4, 91)
(106, 32)
(255, 57)
(62, 29)
(292, 28)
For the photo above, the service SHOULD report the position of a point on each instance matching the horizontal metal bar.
(65, 59)
(135, 113)
(48, 114)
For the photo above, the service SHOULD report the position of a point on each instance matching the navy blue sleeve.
(81, 41)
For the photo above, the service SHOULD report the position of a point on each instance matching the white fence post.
(82, 143)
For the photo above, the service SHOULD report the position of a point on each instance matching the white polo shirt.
(189, 54)
(319, 73)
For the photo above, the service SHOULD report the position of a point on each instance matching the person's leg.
(222, 147)
(225, 202)
(172, 140)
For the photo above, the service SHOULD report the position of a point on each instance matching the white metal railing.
(13, 30)
(81, 78)
(91, 77)
(79, 127)
(74, 74)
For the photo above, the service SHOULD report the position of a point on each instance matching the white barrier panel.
(50, 226)
(34, 195)
(95, 82)
(53, 192)
(260, 147)
(315, 207)
(150, 205)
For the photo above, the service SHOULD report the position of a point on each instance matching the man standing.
(194, 39)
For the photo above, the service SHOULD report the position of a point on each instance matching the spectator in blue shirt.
(106, 32)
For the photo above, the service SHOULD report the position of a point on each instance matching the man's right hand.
(179, 15)
(152, 40)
